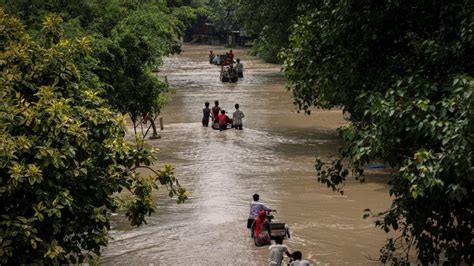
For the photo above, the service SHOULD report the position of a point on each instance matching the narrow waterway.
(272, 156)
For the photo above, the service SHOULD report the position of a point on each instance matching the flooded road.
(272, 156)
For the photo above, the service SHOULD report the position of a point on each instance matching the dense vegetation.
(404, 71)
(129, 39)
(65, 78)
(269, 20)
(272, 21)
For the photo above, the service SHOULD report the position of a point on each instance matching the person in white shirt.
(297, 259)
(239, 68)
(255, 208)
(237, 118)
(275, 256)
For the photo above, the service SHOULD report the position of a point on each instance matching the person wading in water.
(206, 113)
(215, 112)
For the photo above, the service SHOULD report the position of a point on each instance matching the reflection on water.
(272, 156)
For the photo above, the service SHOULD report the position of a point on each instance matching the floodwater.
(272, 156)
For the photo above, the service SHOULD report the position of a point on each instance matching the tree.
(63, 153)
(135, 49)
(130, 37)
(272, 21)
(224, 15)
(403, 70)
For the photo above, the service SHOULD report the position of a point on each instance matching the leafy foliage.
(63, 154)
(138, 42)
(129, 39)
(404, 72)
(272, 21)
(224, 15)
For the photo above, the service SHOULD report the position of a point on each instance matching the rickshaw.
(278, 229)
(228, 74)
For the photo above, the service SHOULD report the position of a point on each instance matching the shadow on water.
(272, 156)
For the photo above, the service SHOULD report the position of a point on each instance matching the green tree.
(186, 3)
(135, 49)
(403, 70)
(272, 21)
(224, 15)
(63, 153)
(129, 39)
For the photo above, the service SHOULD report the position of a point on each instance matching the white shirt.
(239, 67)
(237, 117)
(275, 256)
(255, 208)
(300, 263)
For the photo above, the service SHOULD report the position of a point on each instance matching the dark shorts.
(222, 127)
(250, 223)
(205, 122)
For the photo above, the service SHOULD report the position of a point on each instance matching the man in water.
(206, 113)
(275, 256)
(239, 68)
(215, 111)
(297, 259)
(223, 120)
(237, 117)
(211, 56)
(255, 207)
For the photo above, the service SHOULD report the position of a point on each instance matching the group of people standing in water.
(258, 222)
(219, 117)
(261, 233)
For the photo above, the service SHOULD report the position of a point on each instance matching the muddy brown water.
(272, 156)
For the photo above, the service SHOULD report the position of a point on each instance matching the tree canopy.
(224, 15)
(404, 72)
(63, 153)
(128, 40)
(137, 44)
(271, 21)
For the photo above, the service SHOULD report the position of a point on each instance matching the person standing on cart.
(230, 55)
